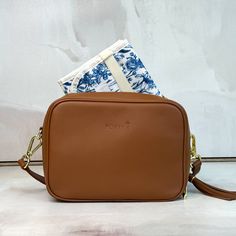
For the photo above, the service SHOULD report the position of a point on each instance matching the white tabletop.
(27, 209)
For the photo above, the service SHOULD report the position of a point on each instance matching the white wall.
(188, 46)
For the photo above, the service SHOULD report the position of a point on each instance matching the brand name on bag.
(124, 125)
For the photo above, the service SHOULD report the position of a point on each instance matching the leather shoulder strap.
(25, 167)
(196, 166)
(206, 188)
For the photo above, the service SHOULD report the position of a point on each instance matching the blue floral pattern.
(100, 79)
(135, 72)
(95, 78)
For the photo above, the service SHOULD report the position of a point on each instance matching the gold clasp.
(31, 148)
(193, 157)
(193, 154)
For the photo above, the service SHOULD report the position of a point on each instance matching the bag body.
(117, 68)
(116, 147)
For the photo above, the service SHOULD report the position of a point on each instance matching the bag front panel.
(115, 150)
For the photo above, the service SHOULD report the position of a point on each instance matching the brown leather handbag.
(117, 147)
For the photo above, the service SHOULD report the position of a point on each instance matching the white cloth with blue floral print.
(96, 75)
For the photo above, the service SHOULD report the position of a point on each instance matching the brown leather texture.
(116, 147)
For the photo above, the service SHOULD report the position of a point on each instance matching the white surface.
(27, 209)
(188, 46)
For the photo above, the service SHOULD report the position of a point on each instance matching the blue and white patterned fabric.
(95, 76)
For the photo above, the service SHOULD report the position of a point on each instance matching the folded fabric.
(117, 68)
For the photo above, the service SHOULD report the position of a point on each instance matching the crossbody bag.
(117, 147)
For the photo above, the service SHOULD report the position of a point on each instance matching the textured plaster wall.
(188, 46)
